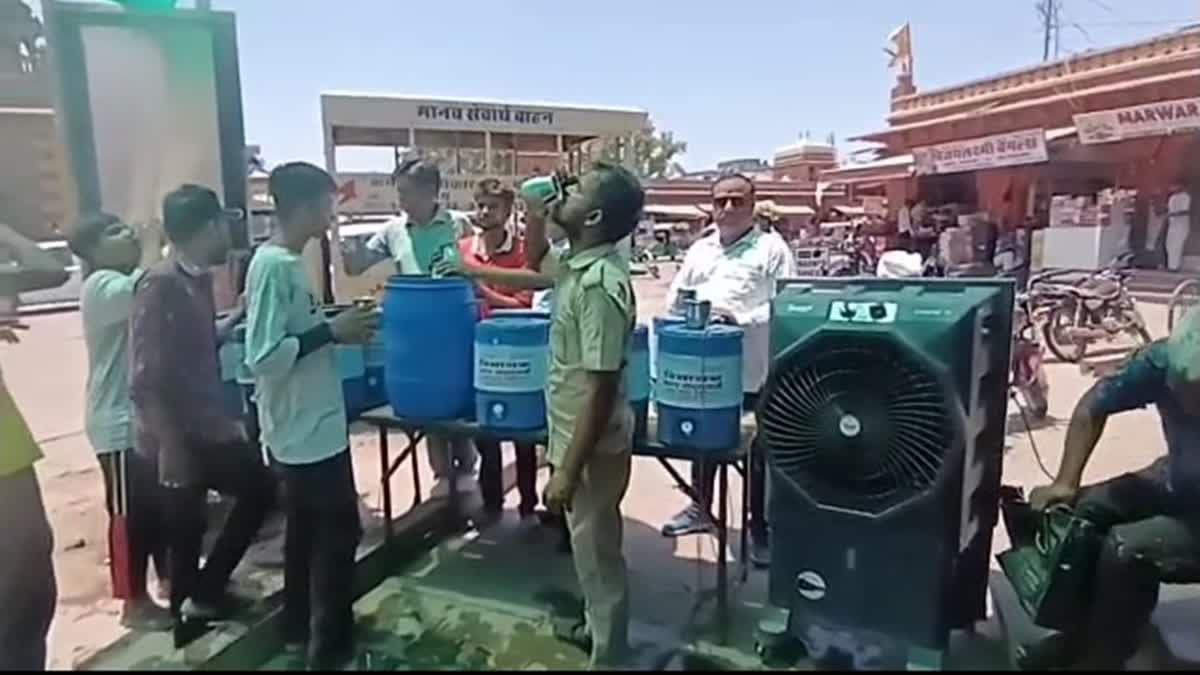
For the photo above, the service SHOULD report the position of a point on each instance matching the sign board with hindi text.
(1151, 119)
(402, 113)
(366, 192)
(988, 152)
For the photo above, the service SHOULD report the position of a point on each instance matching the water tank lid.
(715, 340)
(515, 331)
(411, 281)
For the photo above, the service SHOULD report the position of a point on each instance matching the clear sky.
(733, 79)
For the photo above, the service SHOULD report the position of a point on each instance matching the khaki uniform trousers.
(597, 532)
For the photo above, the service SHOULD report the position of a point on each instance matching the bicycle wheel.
(1185, 296)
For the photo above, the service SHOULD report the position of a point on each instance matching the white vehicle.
(350, 253)
(65, 296)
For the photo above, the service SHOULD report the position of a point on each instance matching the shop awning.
(798, 210)
(850, 210)
(888, 168)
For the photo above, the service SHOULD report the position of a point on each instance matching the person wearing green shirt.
(28, 591)
(115, 257)
(290, 350)
(590, 432)
(415, 240)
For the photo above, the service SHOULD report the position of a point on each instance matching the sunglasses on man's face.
(729, 202)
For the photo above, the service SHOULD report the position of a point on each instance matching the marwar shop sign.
(988, 152)
(1151, 119)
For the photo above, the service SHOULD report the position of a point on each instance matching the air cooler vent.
(857, 420)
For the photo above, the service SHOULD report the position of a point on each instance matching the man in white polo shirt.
(736, 267)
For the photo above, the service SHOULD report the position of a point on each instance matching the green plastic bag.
(1052, 567)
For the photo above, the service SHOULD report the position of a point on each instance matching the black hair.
(734, 175)
(620, 197)
(420, 171)
(187, 210)
(492, 187)
(87, 233)
(298, 184)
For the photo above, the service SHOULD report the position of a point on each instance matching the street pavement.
(46, 374)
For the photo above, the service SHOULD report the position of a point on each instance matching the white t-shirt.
(739, 278)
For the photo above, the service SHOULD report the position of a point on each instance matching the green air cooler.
(883, 423)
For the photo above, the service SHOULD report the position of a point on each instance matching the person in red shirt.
(496, 243)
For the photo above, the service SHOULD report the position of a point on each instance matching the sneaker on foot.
(687, 521)
(211, 610)
(574, 633)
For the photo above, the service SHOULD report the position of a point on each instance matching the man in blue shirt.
(1151, 517)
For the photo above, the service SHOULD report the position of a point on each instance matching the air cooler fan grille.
(857, 421)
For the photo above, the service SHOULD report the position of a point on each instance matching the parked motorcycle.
(1079, 315)
(1028, 362)
(851, 257)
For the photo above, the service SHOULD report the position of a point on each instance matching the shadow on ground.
(489, 600)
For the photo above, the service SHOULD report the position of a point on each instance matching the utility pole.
(1048, 11)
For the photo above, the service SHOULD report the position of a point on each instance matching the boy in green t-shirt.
(290, 350)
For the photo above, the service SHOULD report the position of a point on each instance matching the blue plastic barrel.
(429, 336)
(637, 378)
(351, 365)
(512, 357)
(698, 394)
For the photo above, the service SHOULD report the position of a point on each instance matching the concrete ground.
(46, 375)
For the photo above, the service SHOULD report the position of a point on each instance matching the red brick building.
(1124, 117)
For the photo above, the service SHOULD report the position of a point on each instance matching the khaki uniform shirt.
(594, 313)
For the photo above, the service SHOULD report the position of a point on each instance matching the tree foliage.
(655, 153)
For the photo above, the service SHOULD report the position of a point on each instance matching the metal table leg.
(416, 472)
(386, 481)
(744, 555)
(722, 542)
